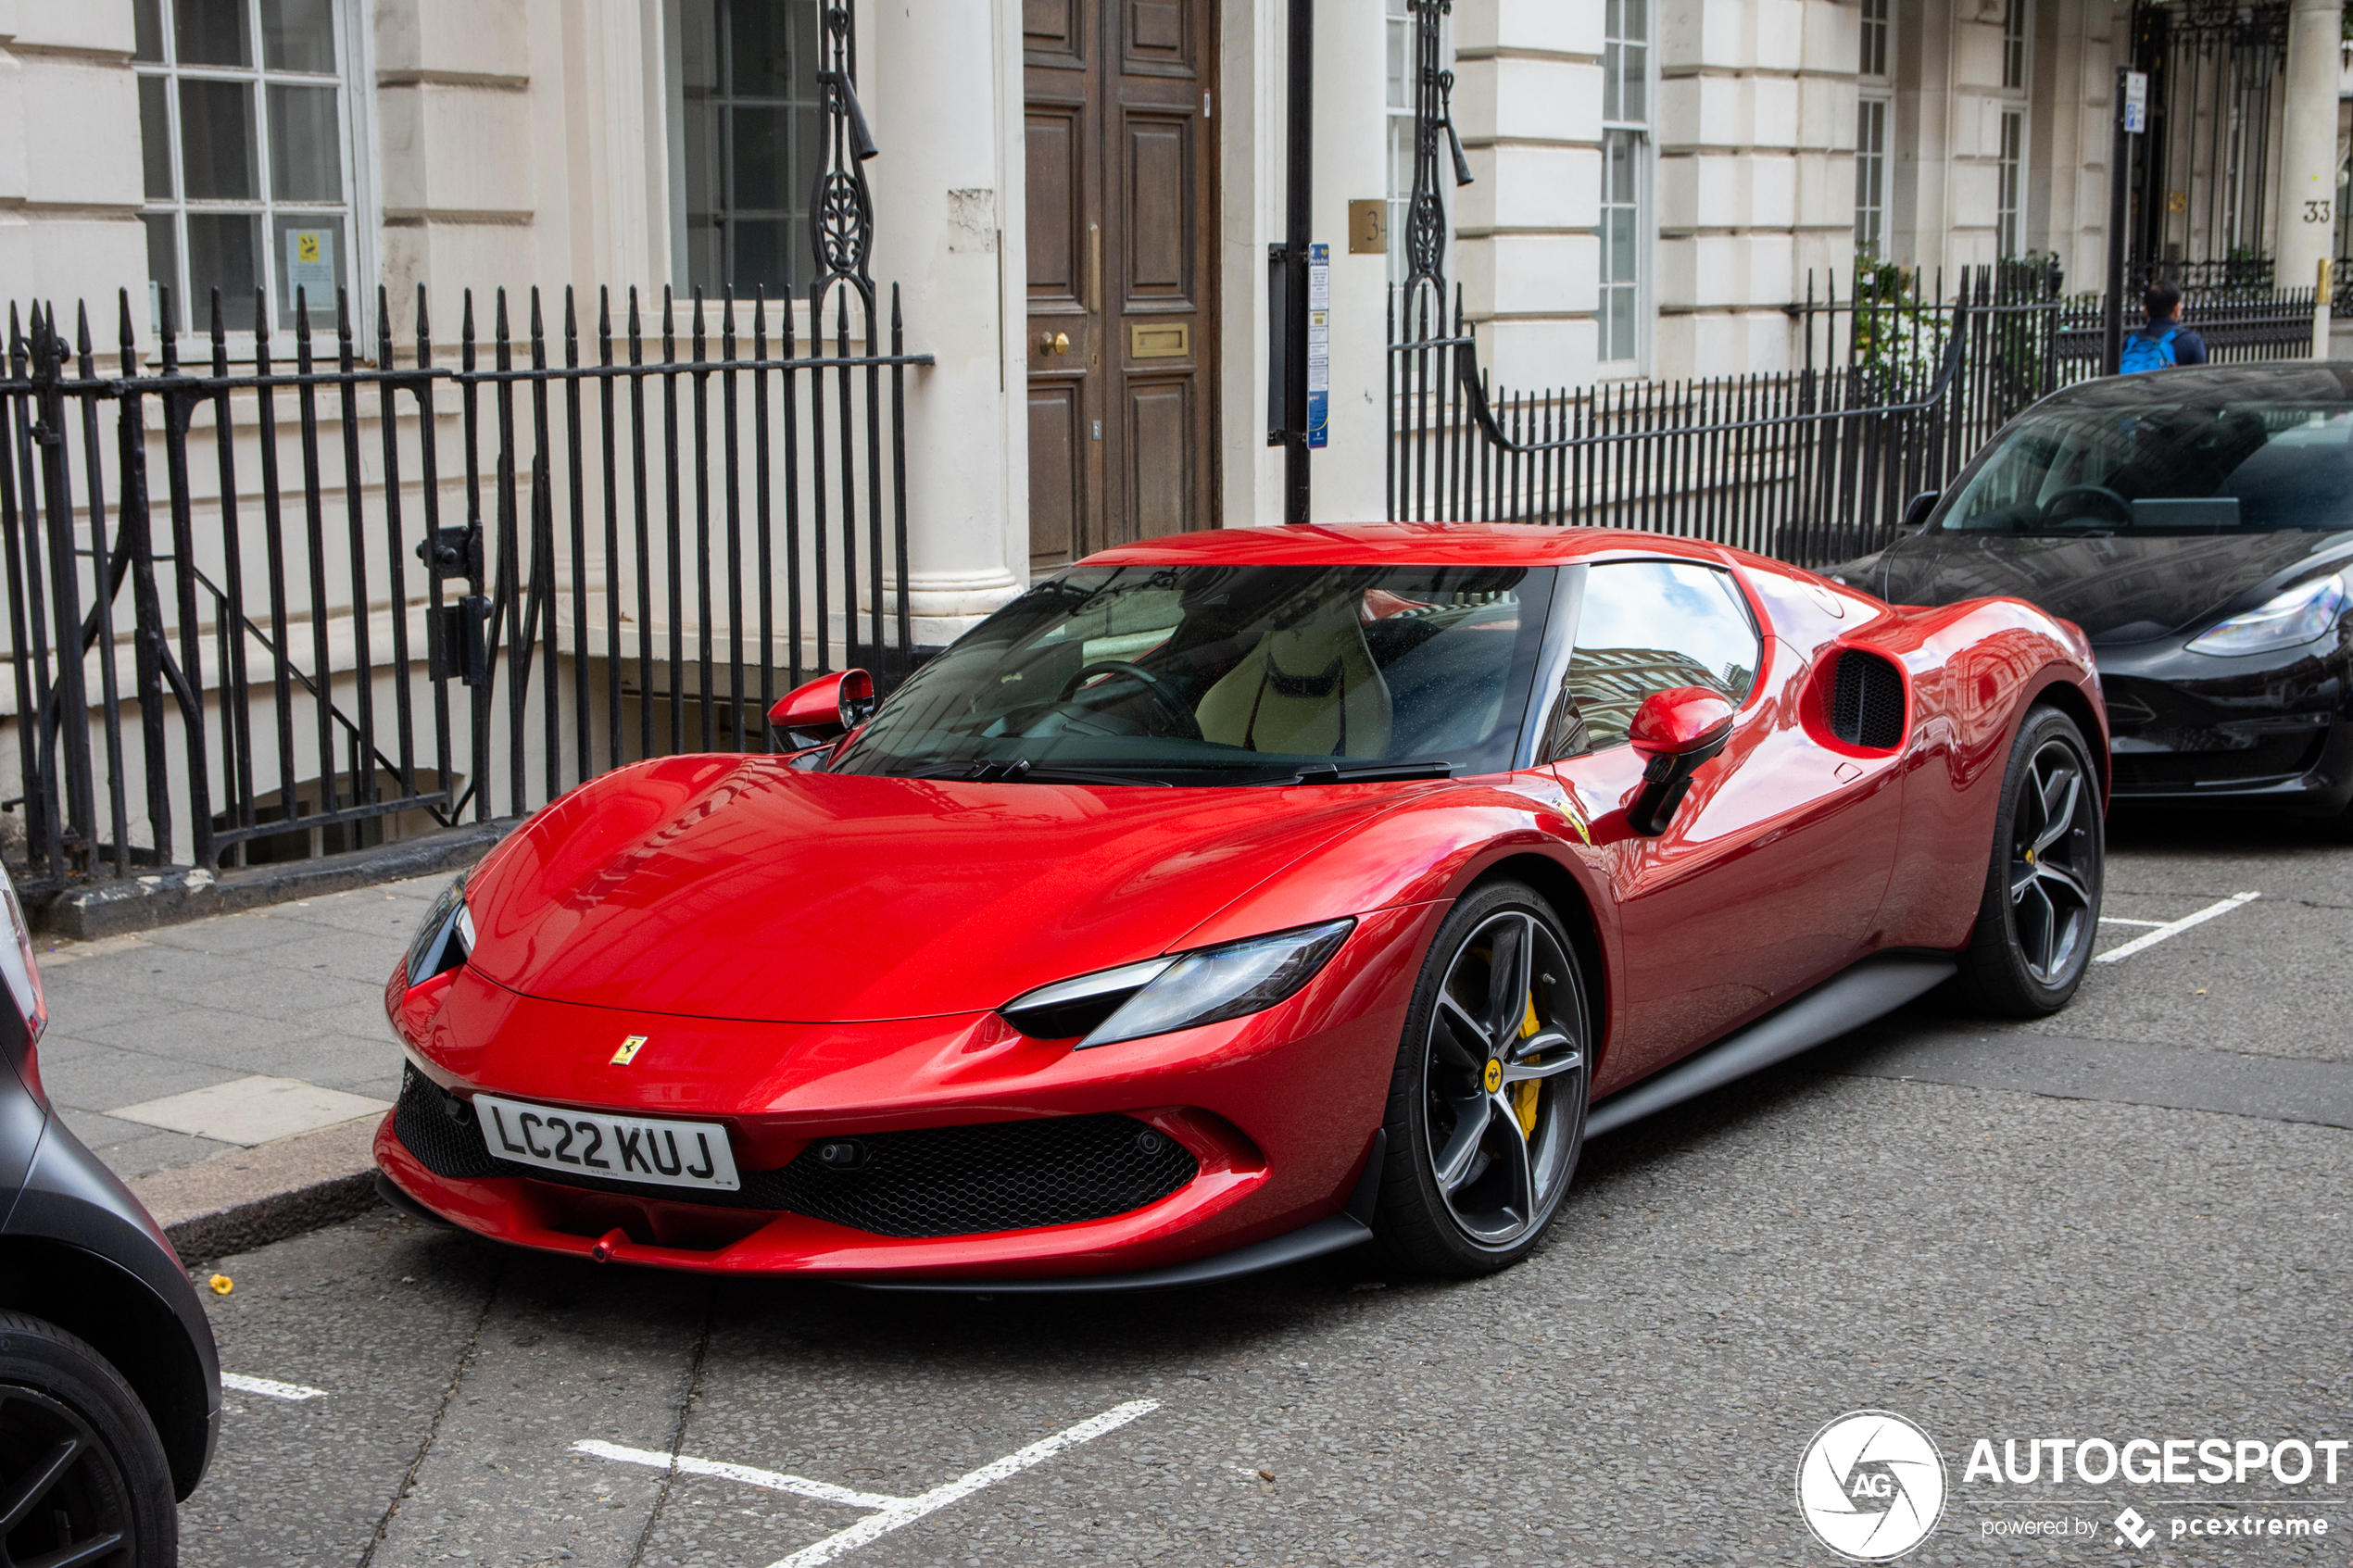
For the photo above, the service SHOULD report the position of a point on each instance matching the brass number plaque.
(1367, 228)
(1162, 340)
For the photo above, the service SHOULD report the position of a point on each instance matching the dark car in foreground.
(2197, 524)
(110, 1384)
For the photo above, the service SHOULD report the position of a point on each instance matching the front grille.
(932, 1181)
(439, 1129)
(1867, 701)
(992, 1176)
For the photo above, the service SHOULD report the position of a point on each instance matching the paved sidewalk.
(172, 1046)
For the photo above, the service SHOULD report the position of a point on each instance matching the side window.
(1646, 626)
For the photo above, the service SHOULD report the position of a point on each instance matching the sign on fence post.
(1319, 344)
(2132, 117)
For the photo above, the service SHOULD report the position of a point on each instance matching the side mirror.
(1677, 730)
(826, 708)
(1916, 510)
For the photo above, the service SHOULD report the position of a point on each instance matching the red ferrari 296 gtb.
(1229, 899)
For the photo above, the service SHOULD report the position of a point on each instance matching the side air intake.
(1867, 701)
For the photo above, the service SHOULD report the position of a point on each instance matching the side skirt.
(1847, 1001)
(1348, 1228)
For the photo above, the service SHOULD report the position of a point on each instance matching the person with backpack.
(2163, 341)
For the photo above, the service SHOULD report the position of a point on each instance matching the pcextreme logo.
(1870, 1486)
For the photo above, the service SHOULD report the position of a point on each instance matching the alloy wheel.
(62, 1499)
(2054, 837)
(1503, 1071)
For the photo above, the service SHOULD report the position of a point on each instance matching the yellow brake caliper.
(1524, 1093)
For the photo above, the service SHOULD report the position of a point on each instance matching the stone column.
(2308, 148)
(1351, 162)
(941, 85)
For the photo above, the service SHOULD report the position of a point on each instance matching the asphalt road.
(2128, 1220)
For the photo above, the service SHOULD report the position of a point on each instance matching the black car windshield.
(1225, 675)
(2207, 465)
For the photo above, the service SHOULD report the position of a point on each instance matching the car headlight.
(445, 939)
(2292, 619)
(1162, 996)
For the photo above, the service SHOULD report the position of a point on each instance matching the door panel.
(1120, 161)
(1160, 433)
(1057, 471)
(1048, 28)
(1158, 42)
(1767, 880)
(1160, 182)
(1056, 208)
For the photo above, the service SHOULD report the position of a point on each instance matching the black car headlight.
(445, 939)
(2289, 620)
(1183, 991)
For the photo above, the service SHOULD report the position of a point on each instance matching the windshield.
(2203, 466)
(1223, 675)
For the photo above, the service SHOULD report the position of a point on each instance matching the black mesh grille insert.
(448, 1145)
(1867, 701)
(992, 1176)
(938, 1181)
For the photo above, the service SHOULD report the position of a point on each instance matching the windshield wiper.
(1377, 772)
(1021, 770)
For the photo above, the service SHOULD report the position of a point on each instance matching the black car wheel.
(84, 1483)
(2040, 914)
(1487, 1106)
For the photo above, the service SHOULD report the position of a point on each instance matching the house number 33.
(2316, 212)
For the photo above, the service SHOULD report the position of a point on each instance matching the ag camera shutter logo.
(1870, 1486)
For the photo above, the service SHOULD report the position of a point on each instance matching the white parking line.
(890, 1512)
(2175, 928)
(2120, 919)
(775, 1481)
(269, 1389)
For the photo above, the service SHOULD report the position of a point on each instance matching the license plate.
(598, 1143)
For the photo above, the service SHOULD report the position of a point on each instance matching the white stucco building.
(1656, 179)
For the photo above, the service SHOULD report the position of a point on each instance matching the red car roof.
(1417, 544)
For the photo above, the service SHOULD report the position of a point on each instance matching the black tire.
(1485, 1118)
(2039, 918)
(113, 1480)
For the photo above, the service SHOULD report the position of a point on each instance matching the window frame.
(353, 80)
(2017, 38)
(1636, 134)
(1875, 99)
(1870, 174)
(675, 111)
(2009, 184)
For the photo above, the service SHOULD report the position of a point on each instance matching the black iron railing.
(268, 574)
(256, 612)
(1895, 391)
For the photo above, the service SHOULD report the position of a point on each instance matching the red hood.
(738, 887)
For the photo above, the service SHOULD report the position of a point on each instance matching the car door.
(1771, 873)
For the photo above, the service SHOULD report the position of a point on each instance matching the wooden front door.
(1122, 327)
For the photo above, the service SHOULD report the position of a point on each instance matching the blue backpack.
(2142, 352)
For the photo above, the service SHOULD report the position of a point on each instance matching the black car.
(110, 1384)
(2197, 524)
